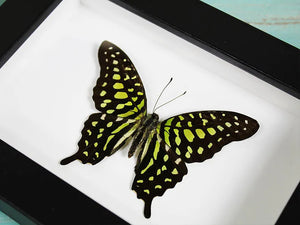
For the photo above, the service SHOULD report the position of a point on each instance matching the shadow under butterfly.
(163, 147)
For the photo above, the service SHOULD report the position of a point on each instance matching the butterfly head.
(154, 117)
(151, 120)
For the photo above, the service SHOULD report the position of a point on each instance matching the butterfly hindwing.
(160, 169)
(119, 90)
(197, 136)
(102, 135)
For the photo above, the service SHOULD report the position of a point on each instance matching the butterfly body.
(148, 125)
(162, 147)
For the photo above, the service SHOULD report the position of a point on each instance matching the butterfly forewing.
(159, 170)
(197, 136)
(119, 90)
(102, 135)
(120, 96)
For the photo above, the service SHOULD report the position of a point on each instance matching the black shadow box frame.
(262, 55)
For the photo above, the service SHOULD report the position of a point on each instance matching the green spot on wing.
(156, 150)
(189, 135)
(121, 95)
(211, 131)
(147, 167)
(118, 86)
(158, 172)
(175, 171)
(169, 121)
(107, 141)
(166, 157)
(200, 133)
(116, 77)
(122, 126)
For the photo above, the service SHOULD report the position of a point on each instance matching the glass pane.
(280, 19)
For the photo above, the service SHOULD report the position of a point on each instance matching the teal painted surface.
(1, 2)
(279, 18)
(276, 17)
(5, 220)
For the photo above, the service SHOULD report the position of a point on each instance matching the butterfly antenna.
(170, 101)
(153, 110)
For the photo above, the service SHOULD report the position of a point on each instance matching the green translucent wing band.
(102, 135)
(197, 136)
(160, 169)
(119, 90)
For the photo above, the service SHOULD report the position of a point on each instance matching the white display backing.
(46, 95)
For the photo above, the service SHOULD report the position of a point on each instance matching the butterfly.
(162, 147)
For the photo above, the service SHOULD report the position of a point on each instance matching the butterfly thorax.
(147, 127)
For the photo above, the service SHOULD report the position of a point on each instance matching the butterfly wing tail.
(69, 159)
(147, 208)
